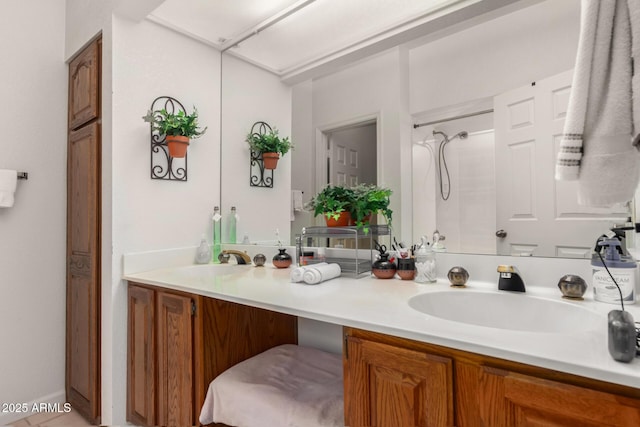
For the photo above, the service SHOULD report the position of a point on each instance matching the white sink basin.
(506, 310)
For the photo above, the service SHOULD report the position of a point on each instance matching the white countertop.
(382, 306)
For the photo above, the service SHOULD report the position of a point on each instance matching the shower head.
(462, 135)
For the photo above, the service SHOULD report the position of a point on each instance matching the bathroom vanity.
(401, 366)
(178, 342)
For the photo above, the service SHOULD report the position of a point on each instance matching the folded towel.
(597, 142)
(314, 275)
(287, 385)
(8, 182)
(296, 273)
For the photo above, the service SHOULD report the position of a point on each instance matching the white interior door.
(353, 155)
(539, 215)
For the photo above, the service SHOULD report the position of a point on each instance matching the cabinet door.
(509, 399)
(141, 347)
(84, 86)
(83, 272)
(393, 386)
(175, 360)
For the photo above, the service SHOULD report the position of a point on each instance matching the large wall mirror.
(510, 64)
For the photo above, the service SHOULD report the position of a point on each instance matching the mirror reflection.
(473, 190)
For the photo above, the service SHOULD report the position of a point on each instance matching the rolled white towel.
(296, 273)
(320, 273)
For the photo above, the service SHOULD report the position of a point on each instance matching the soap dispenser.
(217, 233)
(203, 254)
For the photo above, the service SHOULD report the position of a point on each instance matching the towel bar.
(23, 175)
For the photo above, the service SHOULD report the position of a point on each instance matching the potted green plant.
(178, 129)
(369, 199)
(270, 145)
(334, 203)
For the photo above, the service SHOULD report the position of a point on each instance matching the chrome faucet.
(510, 279)
(241, 257)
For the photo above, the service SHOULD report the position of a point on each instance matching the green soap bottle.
(233, 219)
(217, 233)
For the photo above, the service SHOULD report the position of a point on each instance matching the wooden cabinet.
(84, 86)
(506, 398)
(394, 386)
(391, 381)
(141, 380)
(179, 342)
(82, 378)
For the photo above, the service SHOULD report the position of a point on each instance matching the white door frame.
(322, 139)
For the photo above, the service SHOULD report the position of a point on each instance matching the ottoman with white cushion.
(285, 386)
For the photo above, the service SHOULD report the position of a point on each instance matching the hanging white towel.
(296, 203)
(599, 132)
(8, 182)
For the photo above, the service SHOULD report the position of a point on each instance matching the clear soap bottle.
(233, 221)
(217, 233)
(203, 254)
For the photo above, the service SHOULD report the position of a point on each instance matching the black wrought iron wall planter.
(163, 166)
(258, 175)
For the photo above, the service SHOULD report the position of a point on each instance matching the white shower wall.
(467, 218)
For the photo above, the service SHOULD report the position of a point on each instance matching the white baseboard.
(8, 413)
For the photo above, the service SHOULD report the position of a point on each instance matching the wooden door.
(83, 269)
(175, 360)
(388, 386)
(508, 399)
(141, 353)
(83, 234)
(540, 216)
(84, 86)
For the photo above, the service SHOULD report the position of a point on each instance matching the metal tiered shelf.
(356, 266)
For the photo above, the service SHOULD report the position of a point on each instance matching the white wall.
(250, 95)
(496, 56)
(32, 233)
(376, 87)
(153, 214)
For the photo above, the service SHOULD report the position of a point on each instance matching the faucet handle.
(504, 268)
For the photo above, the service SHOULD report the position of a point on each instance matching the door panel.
(83, 286)
(353, 155)
(84, 86)
(390, 386)
(531, 205)
(141, 350)
(175, 360)
(510, 399)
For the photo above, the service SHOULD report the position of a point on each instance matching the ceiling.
(297, 38)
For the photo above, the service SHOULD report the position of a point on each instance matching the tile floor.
(52, 419)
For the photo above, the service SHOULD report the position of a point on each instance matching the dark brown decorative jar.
(406, 268)
(282, 259)
(383, 268)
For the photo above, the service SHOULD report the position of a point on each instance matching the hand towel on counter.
(320, 273)
(8, 183)
(296, 273)
(296, 203)
(597, 146)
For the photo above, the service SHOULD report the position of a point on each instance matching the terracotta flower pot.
(270, 160)
(343, 220)
(177, 145)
